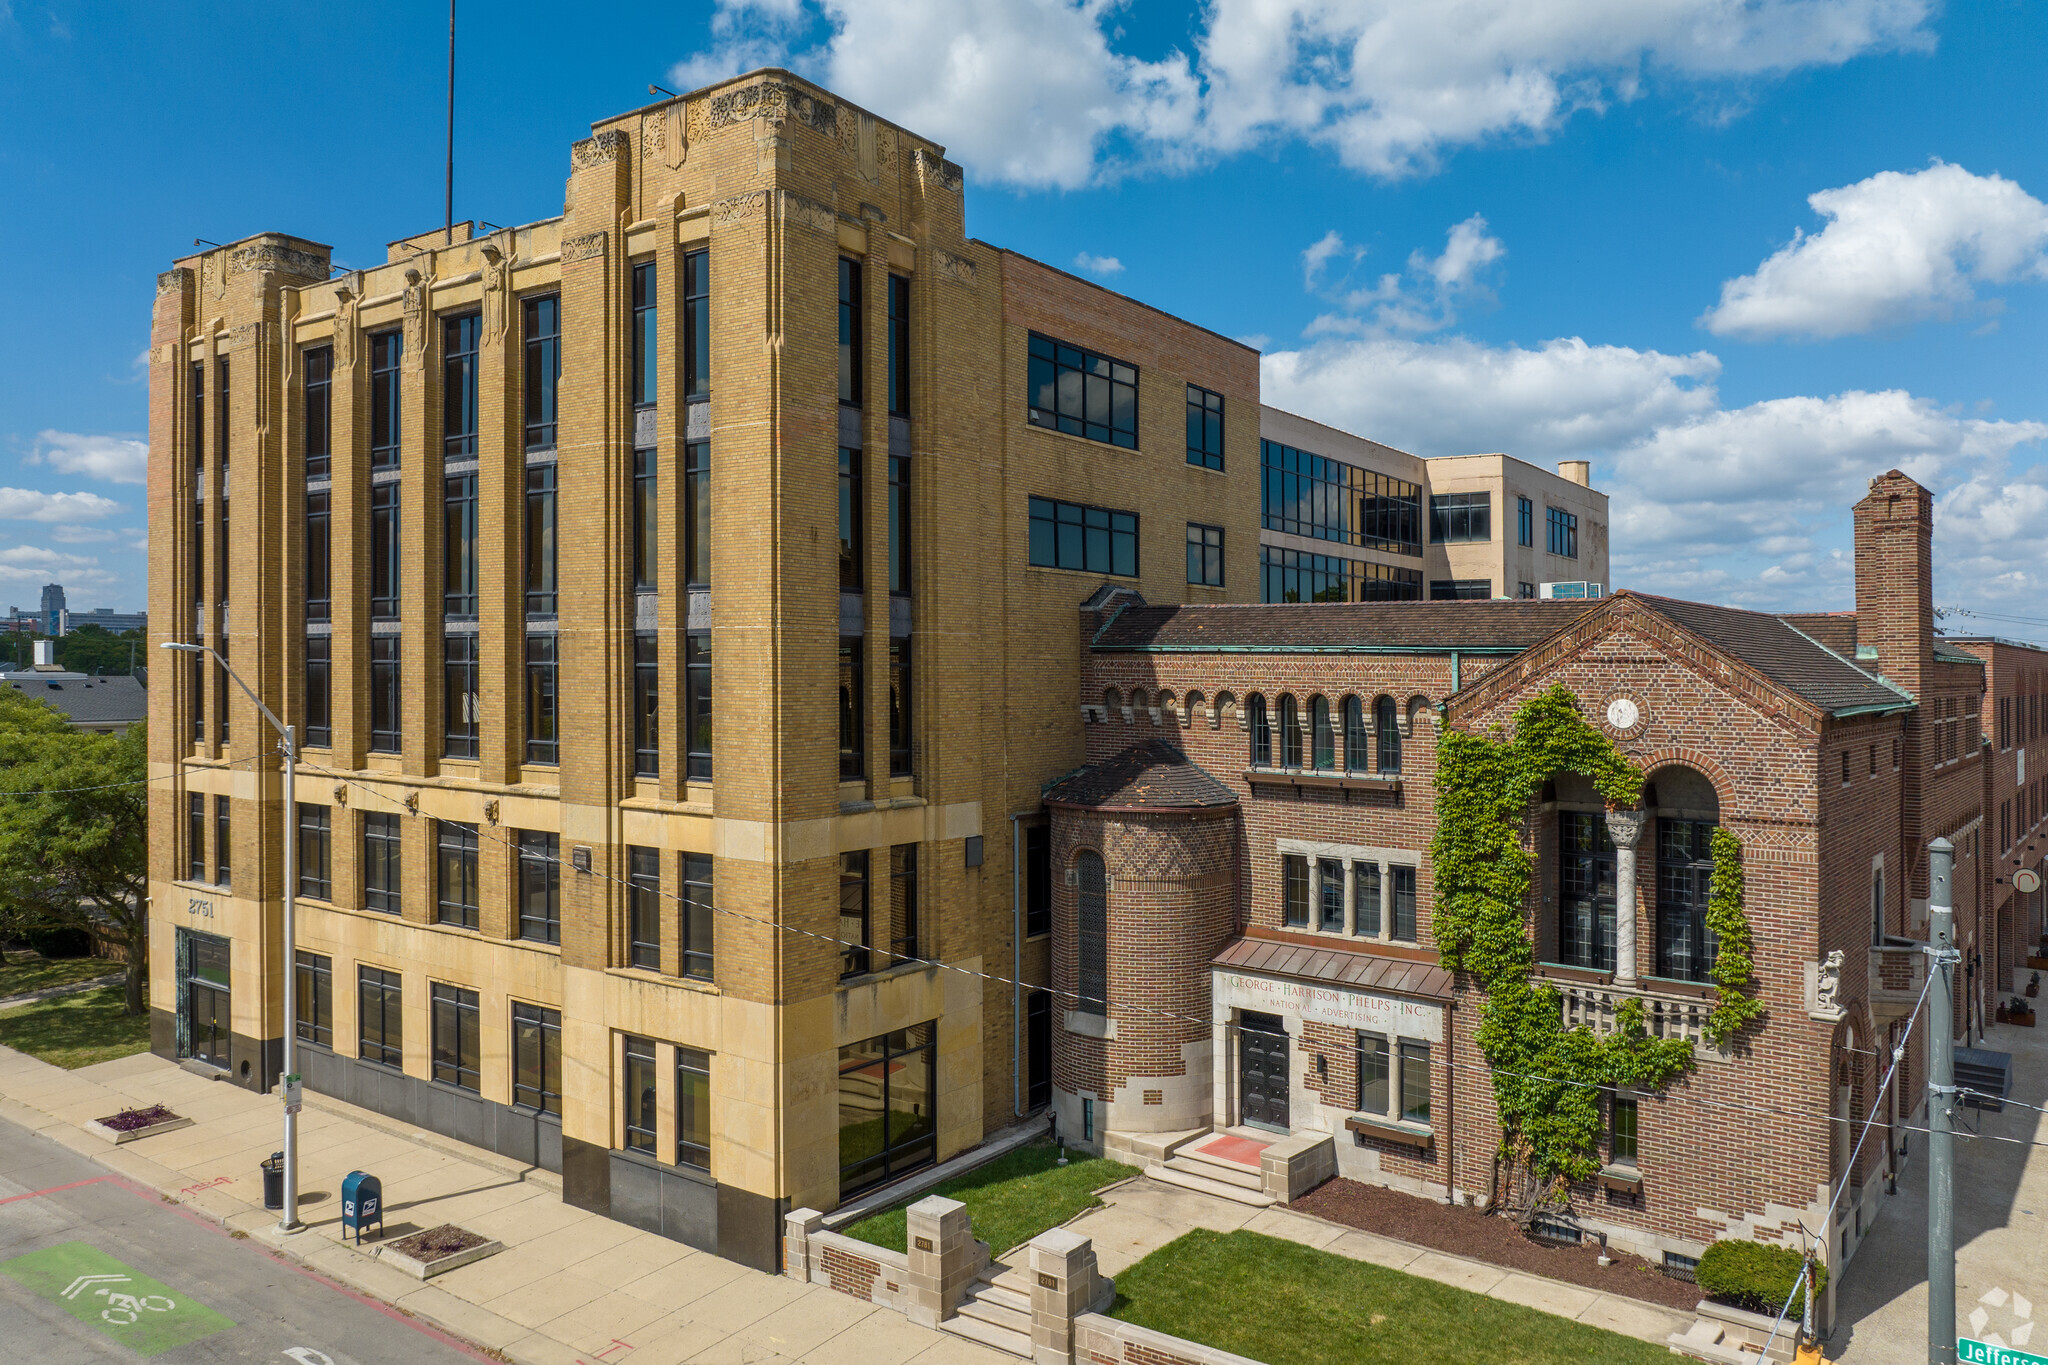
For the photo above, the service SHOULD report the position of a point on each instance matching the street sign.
(1969, 1352)
(2026, 880)
(294, 1093)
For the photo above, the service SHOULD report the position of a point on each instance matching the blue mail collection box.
(362, 1203)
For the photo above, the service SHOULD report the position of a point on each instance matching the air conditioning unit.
(1552, 592)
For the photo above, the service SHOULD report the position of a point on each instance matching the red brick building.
(1281, 760)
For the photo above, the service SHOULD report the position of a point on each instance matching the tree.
(74, 829)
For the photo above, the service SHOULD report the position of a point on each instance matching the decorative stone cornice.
(277, 258)
(590, 246)
(607, 147)
(740, 208)
(776, 101)
(958, 269)
(809, 213)
(935, 170)
(173, 281)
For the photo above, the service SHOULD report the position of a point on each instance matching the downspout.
(1457, 671)
(1016, 975)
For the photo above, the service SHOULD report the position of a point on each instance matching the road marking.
(306, 1355)
(142, 1314)
(38, 1194)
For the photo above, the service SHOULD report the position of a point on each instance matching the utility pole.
(448, 220)
(1941, 1098)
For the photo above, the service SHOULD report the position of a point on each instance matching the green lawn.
(26, 971)
(76, 1030)
(1288, 1304)
(1012, 1199)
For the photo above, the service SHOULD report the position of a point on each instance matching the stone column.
(943, 1260)
(797, 1227)
(1063, 1286)
(1624, 827)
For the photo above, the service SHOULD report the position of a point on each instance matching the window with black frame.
(1294, 890)
(319, 556)
(899, 525)
(1586, 881)
(382, 879)
(1037, 880)
(1415, 1081)
(1357, 739)
(1068, 535)
(1290, 731)
(696, 527)
(197, 413)
(850, 518)
(640, 1107)
(646, 705)
(386, 709)
(385, 547)
(697, 705)
(853, 725)
(902, 903)
(1082, 394)
(195, 837)
(1205, 555)
(456, 893)
(459, 697)
(459, 338)
(1564, 532)
(696, 326)
(693, 1108)
(1525, 522)
(380, 1016)
(888, 1120)
(1260, 730)
(540, 540)
(542, 702)
(645, 358)
(850, 332)
(311, 850)
(1091, 934)
(643, 918)
(386, 349)
(1401, 903)
(223, 875)
(1459, 518)
(458, 546)
(542, 318)
(1365, 899)
(1330, 895)
(540, 886)
(698, 915)
(1375, 1073)
(899, 346)
(537, 1058)
(454, 1036)
(646, 525)
(319, 713)
(313, 998)
(1685, 883)
(900, 749)
(1621, 1128)
(1322, 736)
(855, 920)
(1460, 589)
(1387, 721)
(1205, 428)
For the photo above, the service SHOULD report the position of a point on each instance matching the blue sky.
(1743, 254)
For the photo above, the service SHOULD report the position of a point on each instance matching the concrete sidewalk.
(571, 1286)
(1140, 1217)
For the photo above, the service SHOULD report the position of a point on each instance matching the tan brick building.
(675, 603)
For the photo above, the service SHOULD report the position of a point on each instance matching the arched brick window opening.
(1112, 702)
(1290, 731)
(1191, 708)
(1357, 740)
(1687, 809)
(1261, 731)
(1323, 739)
(1091, 934)
(1387, 720)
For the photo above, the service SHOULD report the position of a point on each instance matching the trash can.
(273, 1181)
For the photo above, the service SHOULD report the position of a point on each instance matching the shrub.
(1754, 1276)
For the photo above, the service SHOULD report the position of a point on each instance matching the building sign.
(1329, 1005)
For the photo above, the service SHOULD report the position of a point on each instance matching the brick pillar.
(797, 1227)
(1063, 1286)
(943, 1258)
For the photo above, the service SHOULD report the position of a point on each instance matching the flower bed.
(132, 1124)
(428, 1253)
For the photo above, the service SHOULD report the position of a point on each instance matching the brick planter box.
(426, 1254)
(132, 1124)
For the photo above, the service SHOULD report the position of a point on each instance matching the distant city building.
(106, 706)
(52, 610)
(106, 618)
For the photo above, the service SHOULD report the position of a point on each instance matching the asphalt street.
(95, 1269)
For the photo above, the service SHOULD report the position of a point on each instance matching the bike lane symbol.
(142, 1314)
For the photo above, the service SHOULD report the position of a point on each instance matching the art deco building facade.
(675, 605)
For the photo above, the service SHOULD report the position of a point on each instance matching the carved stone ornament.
(173, 281)
(1624, 827)
(607, 147)
(958, 269)
(341, 794)
(809, 213)
(867, 150)
(1624, 714)
(740, 208)
(774, 100)
(588, 247)
(1824, 987)
(676, 139)
(346, 296)
(278, 259)
(491, 812)
(418, 288)
(497, 274)
(935, 170)
(653, 136)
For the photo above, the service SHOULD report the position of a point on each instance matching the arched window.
(1357, 743)
(1290, 731)
(1091, 935)
(1262, 731)
(1324, 738)
(1387, 720)
(1112, 703)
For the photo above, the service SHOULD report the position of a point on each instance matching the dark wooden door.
(1262, 1071)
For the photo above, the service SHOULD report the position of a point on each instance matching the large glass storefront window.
(887, 1123)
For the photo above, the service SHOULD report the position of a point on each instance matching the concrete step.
(1014, 1279)
(991, 1308)
(1216, 1168)
(988, 1334)
(1257, 1199)
(1012, 1295)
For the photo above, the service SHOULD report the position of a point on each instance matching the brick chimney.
(1895, 579)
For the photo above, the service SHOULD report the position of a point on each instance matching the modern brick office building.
(1283, 758)
(1347, 519)
(702, 559)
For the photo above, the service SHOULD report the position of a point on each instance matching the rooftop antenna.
(448, 220)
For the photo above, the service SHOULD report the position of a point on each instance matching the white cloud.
(1098, 265)
(36, 564)
(1388, 85)
(1317, 258)
(1898, 247)
(1426, 300)
(116, 459)
(26, 504)
(83, 535)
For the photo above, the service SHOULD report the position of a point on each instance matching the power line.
(137, 782)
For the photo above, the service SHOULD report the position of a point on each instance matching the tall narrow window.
(697, 704)
(646, 705)
(1294, 890)
(319, 415)
(1415, 1088)
(455, 1036)
(1374, 1073)
(1586, 869)
(1685, 882)
(319, 557)
(1621, 1129)
(313, 1001)
(198, 415)
(1091, 934)
(850, 575)
(899, 708)
(693, 1108)
(698, 915)
(540, 540)
(903, 902)
(1205, 555)
(1290, 732)
(386, 349)
(222, 876)
(1261, 730)
(458, 546)
(1386, 720)
(456, 895)
(221, 420)
(899, 346)
(540, 886)
(380, 1016)
(198, 693)
(1205, 428)
(697, 513)
(319, 665)
(537, 1058)
(1525, 522)
(385, 706)
(381, 863)
(459, 706)
(1365, 900)
(646, 530)
(854, 921)
(384, 552)
(1037, 880)
(1322, 738)
(542, 741)
(220, 689)
(458, 385)
(1330, 895)
(543, 329)
(899, 524)
(1401, 904)
(311, 851)
(646, 357)
(853, 716)
(643, 891)
(849, 332)
(1357, 743)
(1564, 532)
(195, 838)
(637, 1083)
(696, 326)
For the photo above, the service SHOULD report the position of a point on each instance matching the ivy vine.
(1547, 1078)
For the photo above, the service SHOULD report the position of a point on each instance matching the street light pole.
(1941, 1098)
(287, 743)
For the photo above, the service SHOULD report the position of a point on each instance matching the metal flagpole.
(448, 222)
